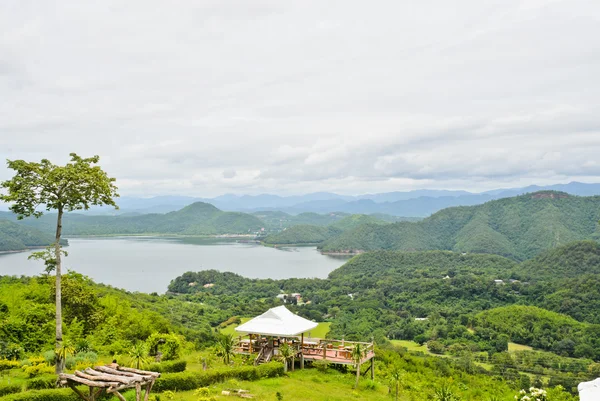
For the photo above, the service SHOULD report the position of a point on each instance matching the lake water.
(148, 264)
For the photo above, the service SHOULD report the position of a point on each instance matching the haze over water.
(148, 264)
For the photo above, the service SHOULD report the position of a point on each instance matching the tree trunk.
(397, 385)
(285, 366)
(59, 358)
(357, 374)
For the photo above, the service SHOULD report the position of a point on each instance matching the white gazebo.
(589, 391)
(277, 322)
(278, 326)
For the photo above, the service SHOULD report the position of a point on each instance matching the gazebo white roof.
(589, 391)
(277, 321)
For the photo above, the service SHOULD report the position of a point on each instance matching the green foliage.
(518, 228)
(303, 234)
(44, 395)
(42, 383)
(193, 380)
(225, 346)
(6, 389)
(168, 367)
(16, 237)
(7, 365)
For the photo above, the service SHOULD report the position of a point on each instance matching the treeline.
(518, 228)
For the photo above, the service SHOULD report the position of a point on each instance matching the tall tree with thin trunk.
(75, 186)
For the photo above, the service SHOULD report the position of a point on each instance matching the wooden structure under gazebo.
(112, 379)
(267, 332)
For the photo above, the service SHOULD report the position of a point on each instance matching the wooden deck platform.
(334, 351)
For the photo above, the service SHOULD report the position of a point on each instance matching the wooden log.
(89, 383)
(119, 396)
(148, 388)
(79, 393)
(106, 369)
(108, 378)
(139, 372)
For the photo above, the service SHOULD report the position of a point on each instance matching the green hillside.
(302, 234)
(196, 219)
(518, 228)
(316, 234)
(14, 237)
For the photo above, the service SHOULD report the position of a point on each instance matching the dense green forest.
(15, 237)
(314, 234)
(518, 228)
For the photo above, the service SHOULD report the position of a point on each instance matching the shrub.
(321, 365)
(189, 381)
(7, 365)
(37, 370)
(436, 347)
(41, 383)
(6, 389)
(168, 366)
(65, 394)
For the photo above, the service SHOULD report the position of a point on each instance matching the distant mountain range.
(418, 203)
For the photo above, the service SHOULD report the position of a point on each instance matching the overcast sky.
(209, 97)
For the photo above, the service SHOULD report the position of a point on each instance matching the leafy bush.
(436, 347)
(321, 365)
(6, 389)
(168, 367)
(44, 395)
(189, 381)
(37, 370)
(7, 365)
(42, 383)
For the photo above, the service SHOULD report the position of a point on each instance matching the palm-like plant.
(61, 353)
(358, 353)
(139, 355)
(395, 376)
(445, 393)
(286, 354)
(226, 343)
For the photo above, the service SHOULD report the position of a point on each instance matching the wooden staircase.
(265, 355)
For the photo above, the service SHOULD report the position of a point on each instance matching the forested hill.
(315, 234)
(14, 237)
(518, 228)
(196, 219)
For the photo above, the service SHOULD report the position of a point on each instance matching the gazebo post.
(302, 352)
(373, 368)
(250, 336)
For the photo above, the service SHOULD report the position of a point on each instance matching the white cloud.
(206, 97)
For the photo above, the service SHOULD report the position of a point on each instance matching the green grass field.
(301, 385)
(512, 347)
(411, 346)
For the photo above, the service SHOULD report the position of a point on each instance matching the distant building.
(420, 319)
(447, 277)
(208, 285)
(499, 282)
